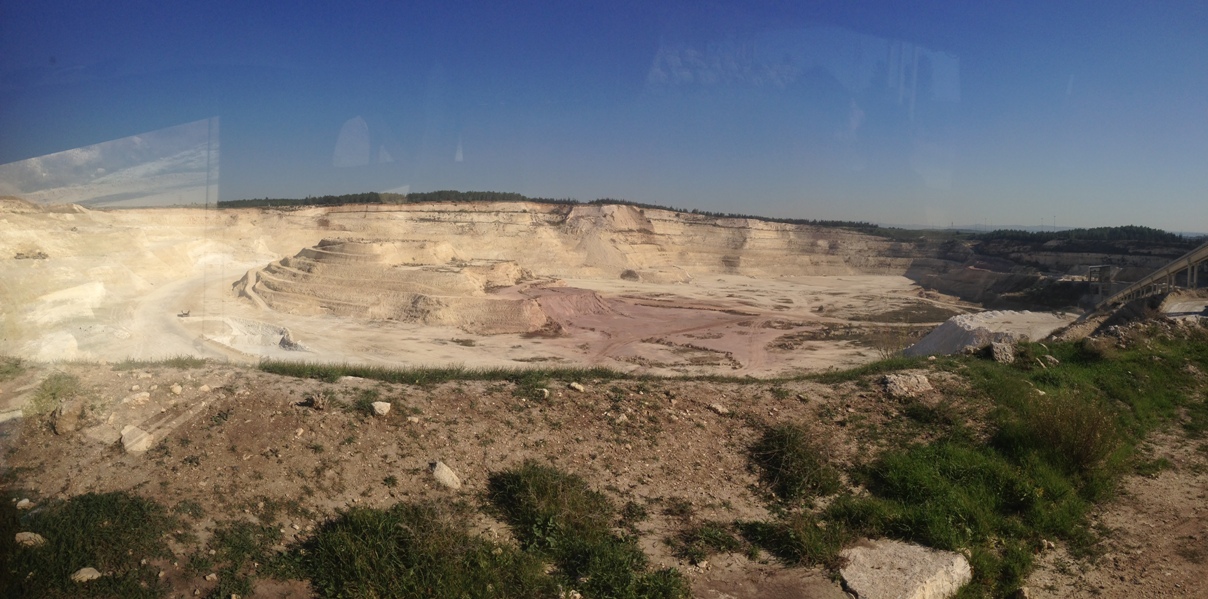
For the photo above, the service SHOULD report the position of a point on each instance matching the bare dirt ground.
(1156, 534)
(248, 448)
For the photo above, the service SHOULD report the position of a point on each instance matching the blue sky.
(1020, 113)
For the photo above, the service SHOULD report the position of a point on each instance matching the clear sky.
(1007, 113)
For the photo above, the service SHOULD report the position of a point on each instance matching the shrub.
(794, 461)
(799, 538)
(1075, 432)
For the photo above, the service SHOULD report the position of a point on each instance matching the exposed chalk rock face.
(419, 282)
(968, 332)
(886, 569)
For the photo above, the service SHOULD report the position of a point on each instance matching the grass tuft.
(181, 362)
(795, 462)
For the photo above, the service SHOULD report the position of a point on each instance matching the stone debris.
(544, 393)
(25, 504)
(85, 575)
(136, 440)
(66, 419)
(1051, 359)
(144, 375)
(906, 386)
(1003, 352)
(30, 539)
(381, 408)
(413, 419)
(720, 409)
(577, 387)
(885, 569)
(137, 399)
(211, 577)
(445, 475)
(203, 389)
(177, 389)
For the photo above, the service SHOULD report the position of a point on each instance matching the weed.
(795, 462)
(237, 545)
(190, 508)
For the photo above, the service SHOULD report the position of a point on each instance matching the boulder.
(445, 475)
(1003, 352)
(85, 575)
(906, 386)
(30, 539)
(136, 440)
(886, 569)
(66, 419)
(381, 408)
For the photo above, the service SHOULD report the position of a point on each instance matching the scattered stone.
(25, 504)
(720, 409)
(413, 419)
(137, 398)
(445, 475)
(211, 577)
(299, 432)
(622, 419)
(144, 375)
(135, 387)
(136, 440)
(153, 387)
(577, 387)
(66, 419)
(1051, 359)
(381, 408)
(544, 393)
(30, 539)
(1003, 352)
(85, 575)
(885, 569)
(905, 386)
(177, 389)
(203, 389)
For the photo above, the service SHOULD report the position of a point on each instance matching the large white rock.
(973, 331)
(30, 539)
(445, 475)
(904, 386)
(136, 440)
(85, 575)
(886, 569)
(381, 408)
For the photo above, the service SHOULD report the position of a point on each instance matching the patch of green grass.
(860, 372)
(10, 368)
(1152, 468)
(795, 462)
(237, 546)
(556, 514)
(798, 538)
(181, 362)
(55, 389)
(697, 543)
(189, 508)
(421, 551)
(429, 375)
(112, 532)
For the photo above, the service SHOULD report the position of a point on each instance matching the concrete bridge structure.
(1185, 272)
